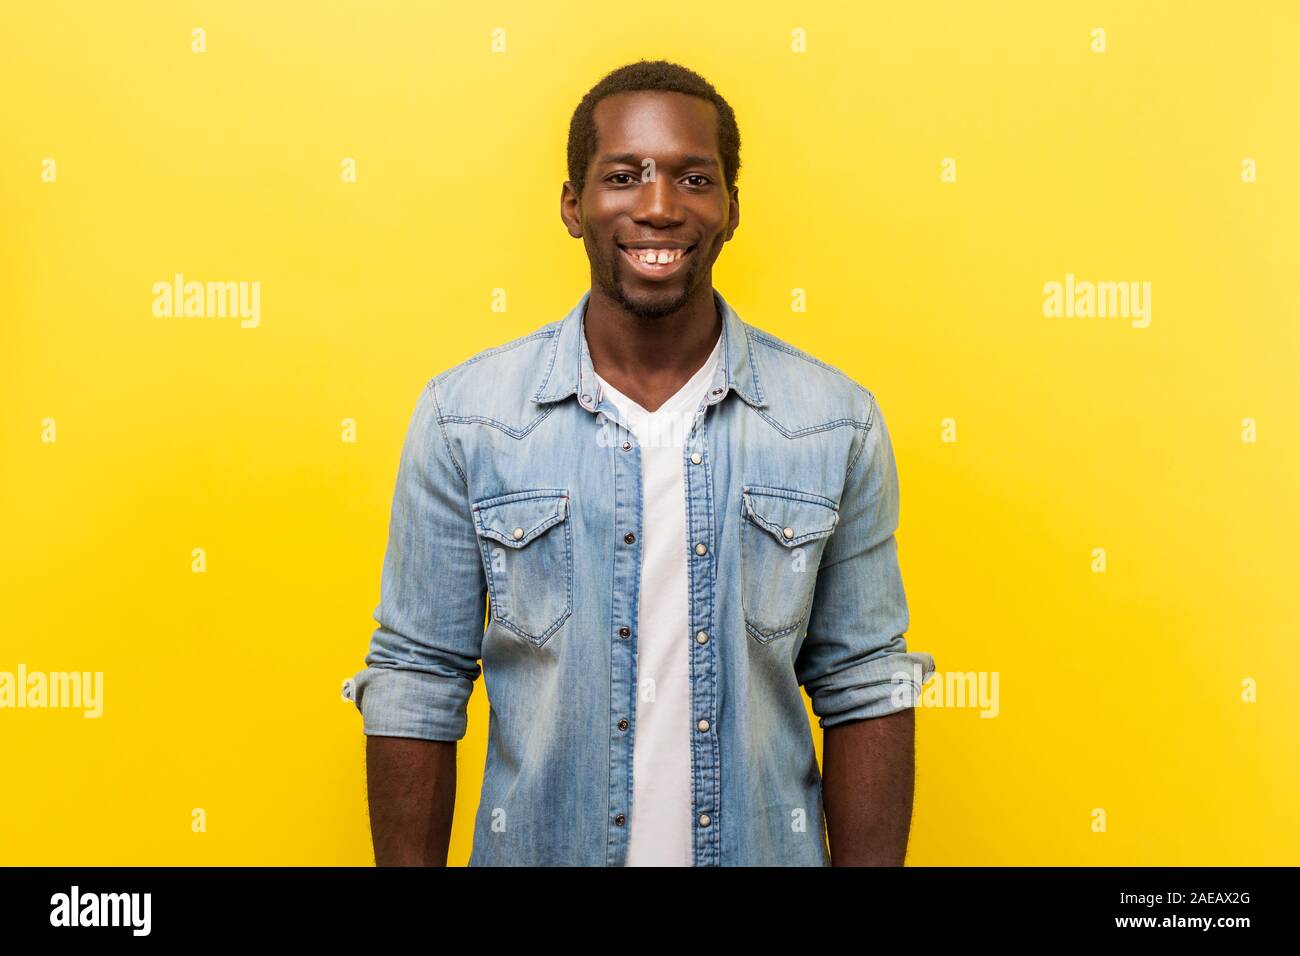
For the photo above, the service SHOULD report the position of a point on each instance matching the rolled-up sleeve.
(854, 662)
(424, 655)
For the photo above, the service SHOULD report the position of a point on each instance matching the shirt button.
(788, 532)
(586, 399)
(627, 445)
(629, 537)
(624, 631)
(518, 533)
(695, 458)
(701, 549)
(704, 819)
(703, 725)
(619, 820)
(622, 724)
(701, 637)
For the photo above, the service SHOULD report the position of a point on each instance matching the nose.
(656, 202)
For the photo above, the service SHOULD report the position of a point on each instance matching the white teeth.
(658, 256)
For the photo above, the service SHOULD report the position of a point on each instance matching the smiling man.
(673, 521)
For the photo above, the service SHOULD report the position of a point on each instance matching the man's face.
(655, 182)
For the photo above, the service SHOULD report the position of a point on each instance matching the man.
(676, 520)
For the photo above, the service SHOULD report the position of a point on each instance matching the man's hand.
(411, 786)
(867, 783)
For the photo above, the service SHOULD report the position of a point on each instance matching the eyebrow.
(635, 160)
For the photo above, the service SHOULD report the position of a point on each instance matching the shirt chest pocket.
(782, 538)
(527, 545)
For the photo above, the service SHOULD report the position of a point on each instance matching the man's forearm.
(411, 788)
(867, 781)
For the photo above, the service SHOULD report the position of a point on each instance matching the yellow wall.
(1119, 690)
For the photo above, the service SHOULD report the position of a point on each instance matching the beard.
(657, 301)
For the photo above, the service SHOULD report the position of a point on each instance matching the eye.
(628, 175)
(700, 176)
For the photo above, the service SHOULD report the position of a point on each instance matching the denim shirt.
(519, 485)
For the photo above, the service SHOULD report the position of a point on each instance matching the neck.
(649, 359)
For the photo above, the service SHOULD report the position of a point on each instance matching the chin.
(652, 306)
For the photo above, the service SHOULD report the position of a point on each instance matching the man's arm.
(867, 778)
(411, 787)
(423, 660)
(856, 667)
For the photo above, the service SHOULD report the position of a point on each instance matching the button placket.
(627, 483)
(706, 759)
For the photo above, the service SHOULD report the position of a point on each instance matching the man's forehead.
(637, 122)
(684, 159)
(656, 108)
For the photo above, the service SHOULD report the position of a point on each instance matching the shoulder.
(516, 362)
(494, 386)
(801, 387)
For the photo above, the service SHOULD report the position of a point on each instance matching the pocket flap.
(517, 518)
(791, 517)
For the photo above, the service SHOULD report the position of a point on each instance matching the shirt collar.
(570, 372)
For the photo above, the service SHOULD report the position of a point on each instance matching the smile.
(656, 263)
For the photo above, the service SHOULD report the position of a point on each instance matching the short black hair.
(647, 75)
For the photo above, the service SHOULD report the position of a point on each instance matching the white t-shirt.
(662, 817)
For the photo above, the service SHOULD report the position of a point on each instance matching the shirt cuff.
(873, 688)
(406, 703)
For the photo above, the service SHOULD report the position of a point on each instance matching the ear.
(734, 218)
(571, 208)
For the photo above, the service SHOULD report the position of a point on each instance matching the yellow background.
(1119, 691)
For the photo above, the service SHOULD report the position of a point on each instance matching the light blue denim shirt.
(519, 484)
